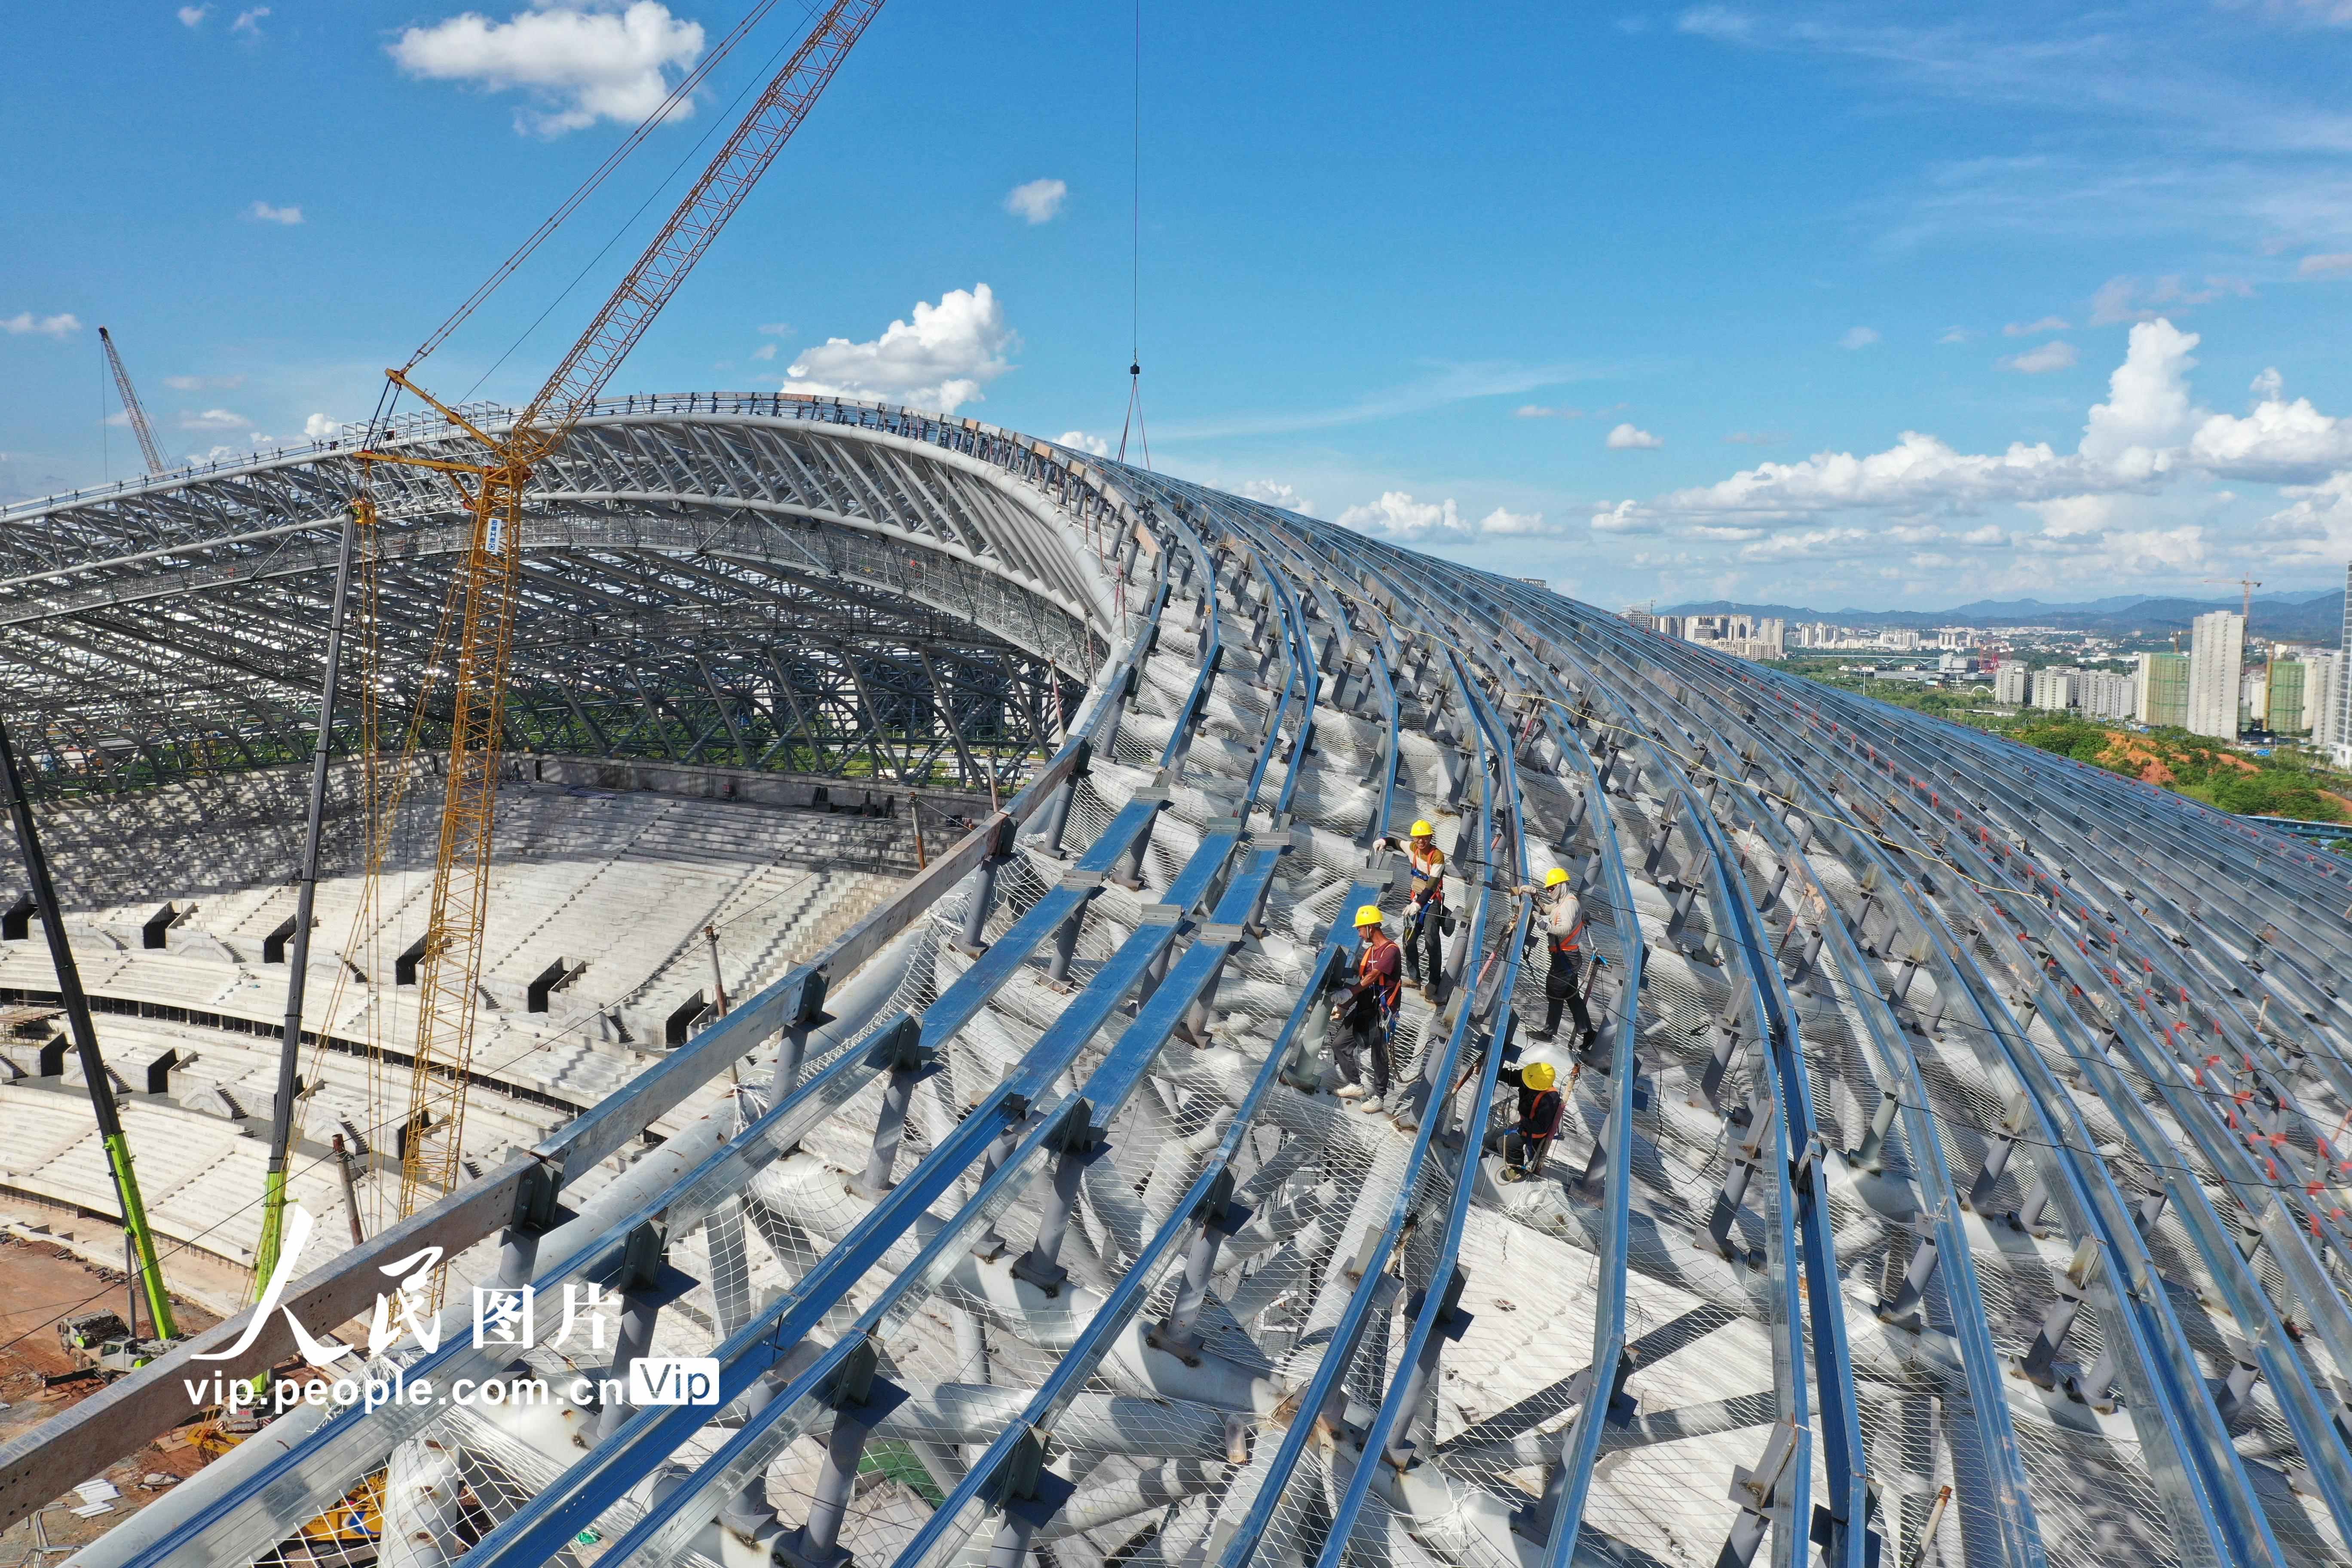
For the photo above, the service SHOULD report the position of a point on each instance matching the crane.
(2246, 605)
(492, 491)
(130, 406)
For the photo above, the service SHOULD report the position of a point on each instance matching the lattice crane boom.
(132, 408)
(449, 967)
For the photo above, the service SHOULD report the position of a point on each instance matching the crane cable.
(1134, 420)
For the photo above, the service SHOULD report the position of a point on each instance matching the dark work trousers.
(1353, 1039)
(1517, 1149)
(1560, 990)
(1424, 946)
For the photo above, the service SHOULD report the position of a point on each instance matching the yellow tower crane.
(493, 489)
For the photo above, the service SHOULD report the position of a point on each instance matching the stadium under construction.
(1949, 1175)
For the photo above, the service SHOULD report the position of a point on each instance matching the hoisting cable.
(1134, 420)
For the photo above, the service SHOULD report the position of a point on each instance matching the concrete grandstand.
(1952, 1177)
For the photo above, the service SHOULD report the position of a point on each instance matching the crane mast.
(132, 408)
(493, 490)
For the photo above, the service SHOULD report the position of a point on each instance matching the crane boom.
(130, 406)
(450, 964)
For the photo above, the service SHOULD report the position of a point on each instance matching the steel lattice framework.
(1951, 1173)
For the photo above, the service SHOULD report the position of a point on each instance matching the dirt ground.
(38, 1284)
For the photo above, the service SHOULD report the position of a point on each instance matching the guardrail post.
(1902, 1308)
(2039, 1362)
(1452, 1323)
(1065, 935)
(1058, 810)
(1996, 1152)
(1219, 1217)
(860, 1402)
(808, 1014)
(1129, 872)
(902, 1053)
(984, 892)
(1757, 1493)
(536, 1212)
(1076, 1143)
(1871, 1156)
(647, 1284)
(1747, 1157)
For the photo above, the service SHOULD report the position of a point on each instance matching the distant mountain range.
(2312, 616)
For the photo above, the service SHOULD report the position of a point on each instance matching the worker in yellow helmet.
(1424, 910)
(1527, 1140)
(1559, 915)
(1367, 1010)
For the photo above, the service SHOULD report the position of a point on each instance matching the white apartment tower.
(2217, 671)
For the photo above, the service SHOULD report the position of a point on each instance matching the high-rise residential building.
(2253, 699)
(2342, 743)
(2162, 699)
(1639, 616)
(2217, 664)
(2107, 694)
(2054, 687)
(2286, 696)
(2012, 684)
(2323, 698)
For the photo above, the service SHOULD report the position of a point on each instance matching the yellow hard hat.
(1424, 830)
(1369, 915)
(1554, 877)
(1537, 1075)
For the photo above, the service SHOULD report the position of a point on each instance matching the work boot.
(1541, 1036)
(1350, 1091)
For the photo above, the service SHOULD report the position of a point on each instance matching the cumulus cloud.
(213, 419)
(1396, 515)
(2055, 354)
(63, 324)
(1078, 440)
(2114, 504)
(2028, 328)
(1275, 493)
(1631, 437)
(1038, 201)
(318, 427)
(265, 213)
(2324, 266)
(576, 64)
(938, 360)
(194, 16)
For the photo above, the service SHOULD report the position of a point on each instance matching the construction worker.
(1365, 1013)
(1424, 910)
(1561, 913)
(1527, 1141)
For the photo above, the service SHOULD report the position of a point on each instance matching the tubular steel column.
(84, 1039)
(298, 951)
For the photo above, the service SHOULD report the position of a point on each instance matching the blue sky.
(1852, 304)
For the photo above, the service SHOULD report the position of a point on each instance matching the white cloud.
(1038, 201)
(198, 383)
(2268, 386)
(213, 419)
(1275, 493)
(2028, 328)
(1630, 437)
(2055, 354)
(268, 214)
(1755, 438)
(2120, 299)
(1078, 440)
(1540, 411)
(194, 16)
(2147, 407)
(1858, 338)
(247, 21)
(2323, 266)
(1396, 515)
(2280, 442)
(577, 65)
(1719, 22)
(318, 427)
(63, 324)
(938, 360)
(764, 352)
(1960, 335)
